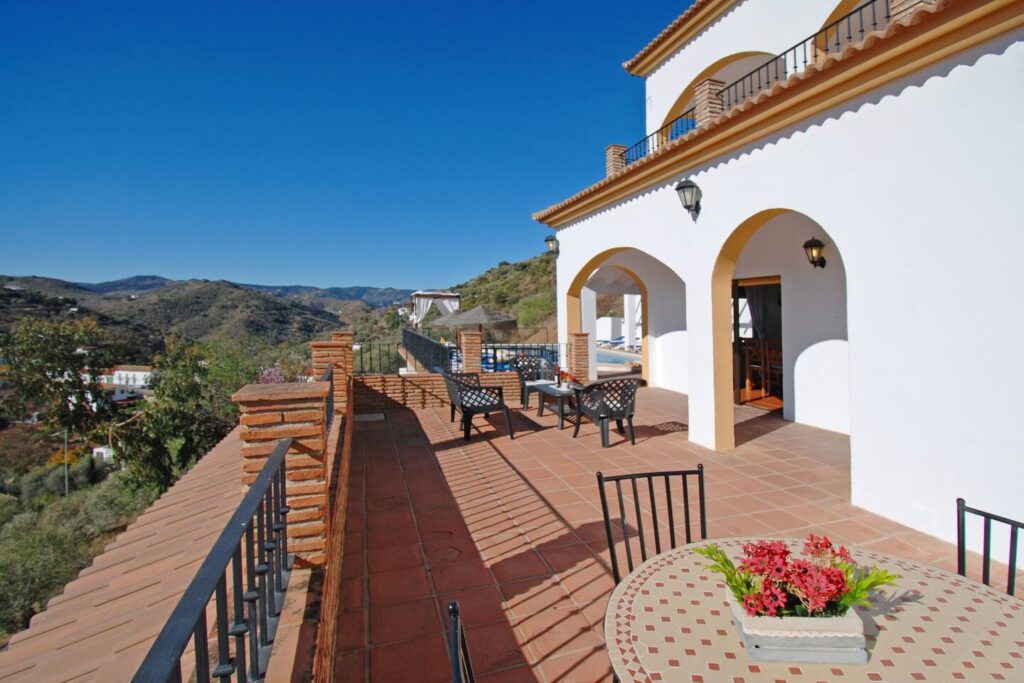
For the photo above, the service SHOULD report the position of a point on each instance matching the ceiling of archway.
(612, 280)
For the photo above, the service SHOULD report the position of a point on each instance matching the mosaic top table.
(669, 621)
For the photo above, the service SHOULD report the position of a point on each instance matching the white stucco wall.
(750, 26)
(917, 188)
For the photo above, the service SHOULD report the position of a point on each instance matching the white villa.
(891, 134)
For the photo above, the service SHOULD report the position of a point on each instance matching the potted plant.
(798, 609)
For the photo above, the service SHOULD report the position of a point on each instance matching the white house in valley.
(890, 135)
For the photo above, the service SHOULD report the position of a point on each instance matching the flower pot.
(813, 640)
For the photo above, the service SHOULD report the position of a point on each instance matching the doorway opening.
(757, 342)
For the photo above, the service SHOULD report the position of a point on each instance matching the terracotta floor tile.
(455, 576)
(478, 606)
(493, 647)
(382, 538)
(424, 660)
(494, 518)
(394, 557)
(403, 621)
(526, 564)
(352, 630)
(589, 666)
(398, 586)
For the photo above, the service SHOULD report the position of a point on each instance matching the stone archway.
(663, 310)
(814, 362)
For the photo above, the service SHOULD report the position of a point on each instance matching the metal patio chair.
(532, 371)
(602, 402)
(469, 398)
(645, 491)
(986, 555)
(458, 650)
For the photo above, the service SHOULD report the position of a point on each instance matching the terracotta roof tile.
(919, 15)
(666, 34)
(101, 627)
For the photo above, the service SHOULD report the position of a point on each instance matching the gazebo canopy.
(447, 303)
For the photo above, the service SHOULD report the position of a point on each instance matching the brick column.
(707, 105)
(271, 412)
(471, 344)
(613, 159)
(579, 355)
(344, 367)
(900, 8)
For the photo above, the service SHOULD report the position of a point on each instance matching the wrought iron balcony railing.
(254, 548)
(872, 15)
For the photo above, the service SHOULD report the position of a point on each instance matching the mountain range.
(139, 311)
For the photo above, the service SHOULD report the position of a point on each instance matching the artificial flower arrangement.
(565, 376)
(771, 582)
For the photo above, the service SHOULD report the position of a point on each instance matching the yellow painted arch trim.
(689, 90)
(721, 322)
(574, 308)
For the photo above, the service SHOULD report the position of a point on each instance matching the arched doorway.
(662, 296)
(808, 363)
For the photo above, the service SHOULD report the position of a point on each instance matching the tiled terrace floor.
(512, 529)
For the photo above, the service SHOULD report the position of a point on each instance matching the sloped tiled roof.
(921, 14)
(103, 624)
(665, 35)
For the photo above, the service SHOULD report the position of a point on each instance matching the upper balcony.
(719, 89)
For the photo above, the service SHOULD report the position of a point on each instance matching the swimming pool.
(605, 357)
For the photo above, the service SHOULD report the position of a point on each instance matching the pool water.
(613, 358)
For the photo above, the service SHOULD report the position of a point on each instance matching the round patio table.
(669, 621)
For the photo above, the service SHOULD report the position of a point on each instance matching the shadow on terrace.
(513, 531)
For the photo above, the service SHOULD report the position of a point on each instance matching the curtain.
(755, 302)
(447, 305)
(420, 308)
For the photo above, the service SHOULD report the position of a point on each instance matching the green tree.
(56, 366)
(173, 429)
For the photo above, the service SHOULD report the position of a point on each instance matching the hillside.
(201, 310)
(134, 342)
(526, 289)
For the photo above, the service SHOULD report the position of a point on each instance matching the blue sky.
(375, 143)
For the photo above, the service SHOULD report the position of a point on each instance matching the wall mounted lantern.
(689, 194)
(552, 243)
(814, 248)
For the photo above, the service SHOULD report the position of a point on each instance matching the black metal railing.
(377, 358)
(872, 15)
(961, 542)
(498, 357)
(430, 354)
(677, 128)
(832, 39)
(254, 544)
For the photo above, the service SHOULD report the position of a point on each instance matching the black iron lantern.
(689, 194)
(814, 248)
(552, 243)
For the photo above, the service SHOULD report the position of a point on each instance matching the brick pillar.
(471, 344)
(708, 105)
(614, 161)
(344, 367)
(271, 412)
(901, 8)
(579, 355)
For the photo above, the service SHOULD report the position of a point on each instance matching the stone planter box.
(811, 640)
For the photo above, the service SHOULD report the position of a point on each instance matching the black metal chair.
(470, 398)
(612, 399)
(532, 371)
(458, 650)
(471, 378)
(653, 492)
(986, 555)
